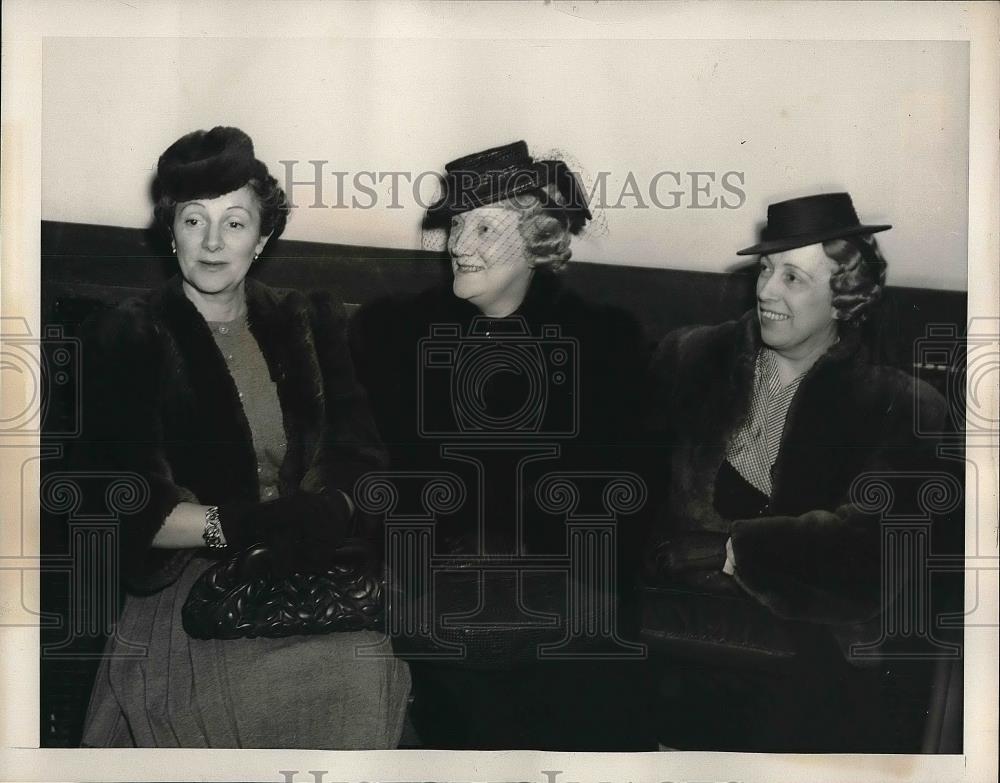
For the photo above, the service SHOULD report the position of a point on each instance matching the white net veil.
(519, 227)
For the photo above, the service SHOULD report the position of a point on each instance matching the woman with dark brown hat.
(508, 360)
(767, 425)
(238, 408)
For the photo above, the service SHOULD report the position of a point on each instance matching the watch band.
(213, 529)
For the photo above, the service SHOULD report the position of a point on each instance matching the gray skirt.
(157, 687)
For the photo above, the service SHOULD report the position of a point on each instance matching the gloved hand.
(302, 531)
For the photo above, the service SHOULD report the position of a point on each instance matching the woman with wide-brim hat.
(765, 424)
(237, 407)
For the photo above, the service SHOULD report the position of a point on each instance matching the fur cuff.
(820, 567)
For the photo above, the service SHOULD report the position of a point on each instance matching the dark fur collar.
(281, 324)
(712, 369)
(846, 349)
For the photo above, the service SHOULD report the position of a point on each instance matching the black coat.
(160, 402)
(592, 421)
(813, 554)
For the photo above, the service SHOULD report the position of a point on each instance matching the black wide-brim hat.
(207, 164)
(506, 172)
(799, 222)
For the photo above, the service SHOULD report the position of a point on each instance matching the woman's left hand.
(730, 565)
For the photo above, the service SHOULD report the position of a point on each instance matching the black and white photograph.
(543, 391)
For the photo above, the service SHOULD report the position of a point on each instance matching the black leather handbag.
(237, 598)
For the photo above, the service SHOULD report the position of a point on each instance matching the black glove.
(302, 531)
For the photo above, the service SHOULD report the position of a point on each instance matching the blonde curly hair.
(546, 234)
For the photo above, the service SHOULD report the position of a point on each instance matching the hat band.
(784, 232)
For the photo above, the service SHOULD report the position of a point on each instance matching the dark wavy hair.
(274, 209)
(858, 282)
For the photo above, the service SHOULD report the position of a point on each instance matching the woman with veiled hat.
(508, 359)
(510, 220)
(767, 424)
(237, 407)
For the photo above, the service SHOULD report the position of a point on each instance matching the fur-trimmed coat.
(159, 401)
(813, 554)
